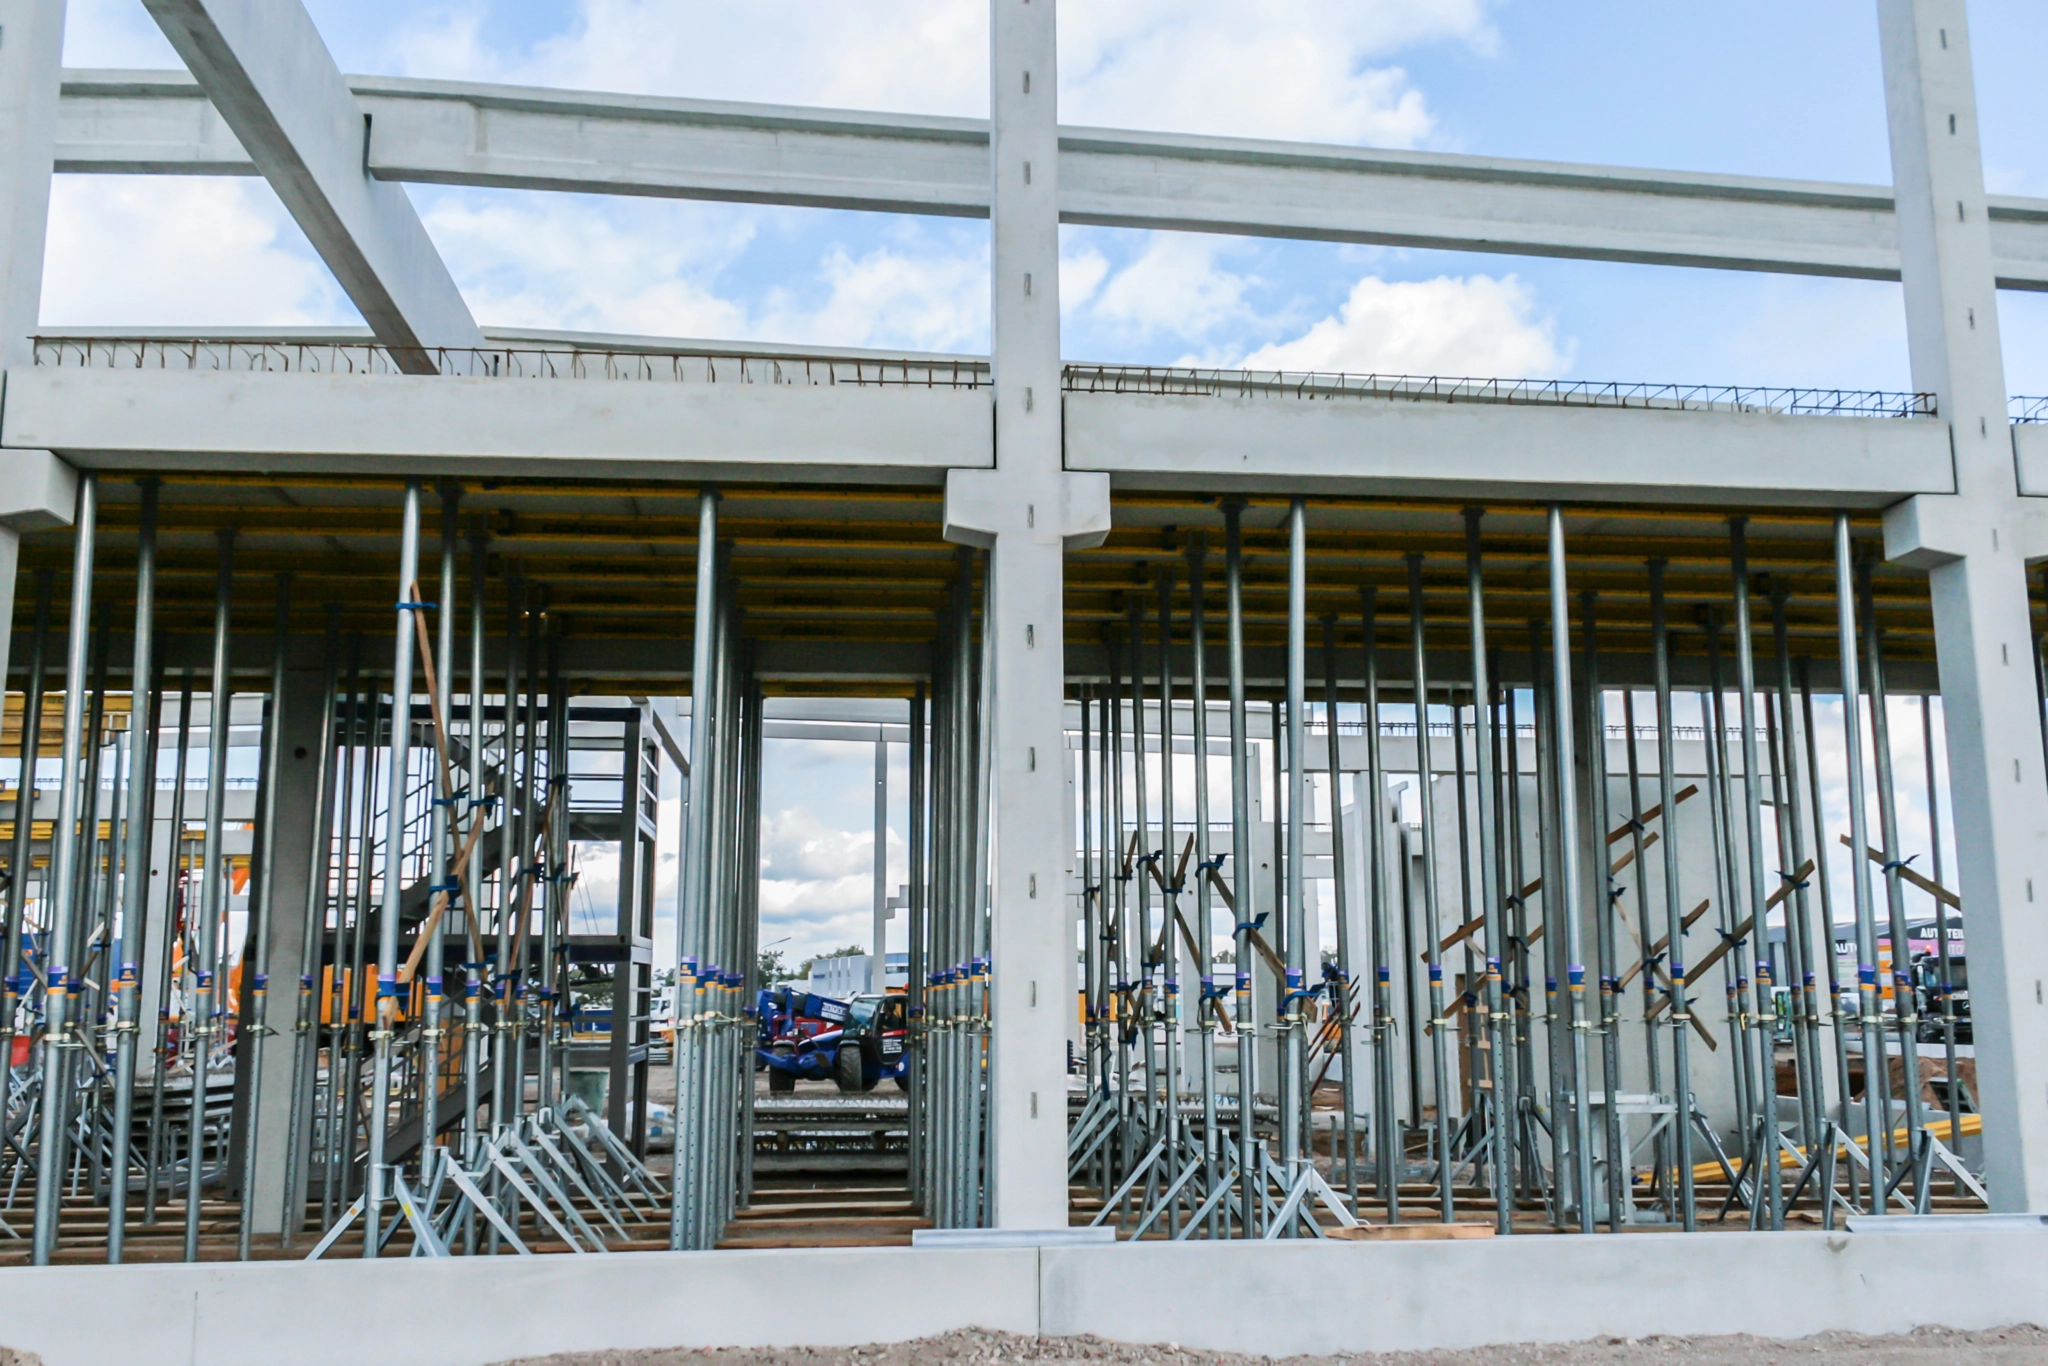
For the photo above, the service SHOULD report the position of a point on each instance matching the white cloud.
(936, 302)
(181, 251)
(1472, 325)
(1300, 69)
(919, 56)
(1081, 274)
(665, 269)
(1309, 69)
(539, 260)
(796, 845)
(1175, 286)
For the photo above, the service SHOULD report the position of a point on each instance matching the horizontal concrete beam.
(456, 133)
(1272, 1299)
(270, 76)
(341, 423)
(1276, 442)
(168, 419)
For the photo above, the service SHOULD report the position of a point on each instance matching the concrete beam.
(267, 72)
(1457, 450)
(592, 428)
(457, 133)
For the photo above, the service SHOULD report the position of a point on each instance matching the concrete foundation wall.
(1309, 1297)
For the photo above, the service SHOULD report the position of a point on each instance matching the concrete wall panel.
(1280, 1298)
(469, 1311)
(1273, 1298)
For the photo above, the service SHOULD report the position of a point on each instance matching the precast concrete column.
(290, 853)
(1026, 512)
(1975, 545)
(31, 68)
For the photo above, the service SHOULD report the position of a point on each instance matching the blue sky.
(1743, 87)
(1757, 88)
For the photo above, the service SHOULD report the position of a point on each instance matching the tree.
(769, 967)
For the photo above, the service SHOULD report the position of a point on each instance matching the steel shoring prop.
(254, 994)
(1674, 899)
(1388, 1154)
(1340, 988)
(345, 1002)
(1905, 1018)
(1859, 879)
(552, 884)
(932, 1033)
(1209, 1004)
(305, 1027)
(1735, 976)
(1294, 950)
(443, 832)
(1764, 1141)
(1798, 923)
(145, 710)
(960, 868)
(1425, 774)
(1297, 1174)
(1952, 1089)
(16, 979)
(1246, 921)
(92, 928)
(1648, 959)
(398, 766)
(1117, 874)
(173, 903)
(200, 1006)
(1277, 753)
(1167, 947)
(527, 890)
(62, 882)
(1486, 753)
(18, 1104)
(476, 971)
(505, 1100)
(1827, 918)
(1557, 1044)
(1109, 894)
(1089, 1130)
(1527, 1152)
(1615, 1169)
(950, 928)
(1145, 995)
(1570, 889)
(699, 833)
(916, 914)
(931, 1025)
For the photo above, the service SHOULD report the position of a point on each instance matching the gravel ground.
(2024, 1346)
